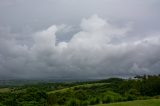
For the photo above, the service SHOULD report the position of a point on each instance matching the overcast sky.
(79, 38)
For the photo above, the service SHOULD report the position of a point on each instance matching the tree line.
(83, 93)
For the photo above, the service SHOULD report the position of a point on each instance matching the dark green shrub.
(73, 102)
(117, 98)
(107, 99)
(83, 103)
(131, 97)
(94, 101)
(52, 99)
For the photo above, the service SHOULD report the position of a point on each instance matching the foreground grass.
(151, 102)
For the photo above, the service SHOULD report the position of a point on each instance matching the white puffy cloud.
(90, 53)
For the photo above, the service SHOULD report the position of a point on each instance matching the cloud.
(92, 52)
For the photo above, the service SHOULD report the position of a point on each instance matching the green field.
(71, 88)
(4, 90)
(151, 102)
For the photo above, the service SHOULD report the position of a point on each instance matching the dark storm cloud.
(35, 41)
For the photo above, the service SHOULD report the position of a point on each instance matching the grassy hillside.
(115, 91)
(77, 86)
(151, 102)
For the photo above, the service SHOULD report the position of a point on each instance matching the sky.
(79, 39)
